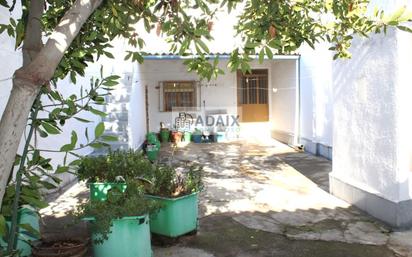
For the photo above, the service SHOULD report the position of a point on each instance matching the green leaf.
(97, 112)
(109, 138)
(109, 55)
(112, 77)
(3, 226)
(82, 120)
(203, 45)
(404, 28)
(251, 45)
(147, 25)
(17, 159)
(74, 138)
(96, 145)
(75, 162)
(67, 148)
(62, 169)
(51, 129)
(47, 185)
(269, 52)
(99, 130)
(30, 230)
(111, 83)
(34, 202)
(396, 15)
(4, 3)
(261, 55)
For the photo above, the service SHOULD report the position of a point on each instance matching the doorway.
(253, 96)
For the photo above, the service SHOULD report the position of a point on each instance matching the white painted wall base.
(395, 214)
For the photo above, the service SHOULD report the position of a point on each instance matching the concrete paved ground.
(261, 199)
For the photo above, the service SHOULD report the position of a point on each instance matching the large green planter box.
(177, 217)
(98, 191)
(129, 237)
(26, 216)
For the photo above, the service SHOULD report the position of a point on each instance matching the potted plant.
(197, 136)
(176, 136)
(177, 192)
(102, 173)
(120, 225)
(164, 133)
(66, 248)
(152, 146)
(187, 136)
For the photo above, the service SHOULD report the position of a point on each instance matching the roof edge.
(211, 56)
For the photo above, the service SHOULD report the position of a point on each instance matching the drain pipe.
(296, 137)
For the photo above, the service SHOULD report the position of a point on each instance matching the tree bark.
(28, 80)
(33, 34)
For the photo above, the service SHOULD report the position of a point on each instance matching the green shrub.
(169, 182)
(126, 164)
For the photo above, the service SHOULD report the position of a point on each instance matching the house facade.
(267, 96)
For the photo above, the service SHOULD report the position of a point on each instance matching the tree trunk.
(29, 79)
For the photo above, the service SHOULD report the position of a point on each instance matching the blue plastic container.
(197, 138)
(220, 137)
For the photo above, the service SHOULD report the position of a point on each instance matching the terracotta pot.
(63, 248)
(176, 137)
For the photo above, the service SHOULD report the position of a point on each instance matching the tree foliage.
(265, 27)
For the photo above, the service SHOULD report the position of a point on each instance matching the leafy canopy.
(266, 28)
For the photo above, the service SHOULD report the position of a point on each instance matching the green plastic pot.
(26, 216)
(152, 138)
(177, 217)
(98, 191)
(129, 237)
(152, 152)
(187, 136)
(164, 135)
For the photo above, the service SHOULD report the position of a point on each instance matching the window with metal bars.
(178, 94)
(253, 87)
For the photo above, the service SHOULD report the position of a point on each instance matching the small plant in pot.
(120, 225)
(164, 133)
(177, 192)
(152, 147)
(102, 173)
(187, 136)
(176, 137)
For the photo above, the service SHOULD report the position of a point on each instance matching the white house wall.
(137, 111)
(316, 107)
(372, 125)
(283, 100)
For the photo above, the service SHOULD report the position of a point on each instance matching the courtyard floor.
(261, 198)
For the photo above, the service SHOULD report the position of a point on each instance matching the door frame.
(254, 107)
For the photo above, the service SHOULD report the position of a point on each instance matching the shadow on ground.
(259, 200)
